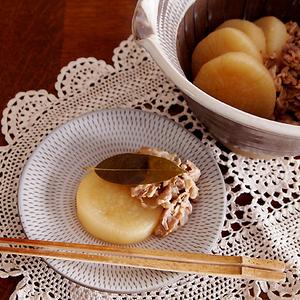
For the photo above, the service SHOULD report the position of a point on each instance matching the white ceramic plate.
(50, 178)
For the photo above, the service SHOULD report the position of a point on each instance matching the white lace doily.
(265, 224)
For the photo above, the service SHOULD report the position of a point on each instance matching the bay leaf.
(134, 169)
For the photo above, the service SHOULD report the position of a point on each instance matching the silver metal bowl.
(170, 29)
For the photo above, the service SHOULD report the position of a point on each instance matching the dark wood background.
(39, 37)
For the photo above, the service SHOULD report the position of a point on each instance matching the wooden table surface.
(39, 37)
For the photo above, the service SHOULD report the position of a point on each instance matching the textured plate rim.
(101, 111)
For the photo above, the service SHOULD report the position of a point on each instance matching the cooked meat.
(286, 74)
(174, 195)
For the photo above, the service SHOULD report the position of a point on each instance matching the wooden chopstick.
(152, 253)
(207, 264)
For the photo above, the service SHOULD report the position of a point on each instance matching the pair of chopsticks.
(196, 263)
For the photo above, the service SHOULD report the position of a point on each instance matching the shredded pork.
(285, 71)
(175, 195)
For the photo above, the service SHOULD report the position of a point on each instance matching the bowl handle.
(144, 19)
